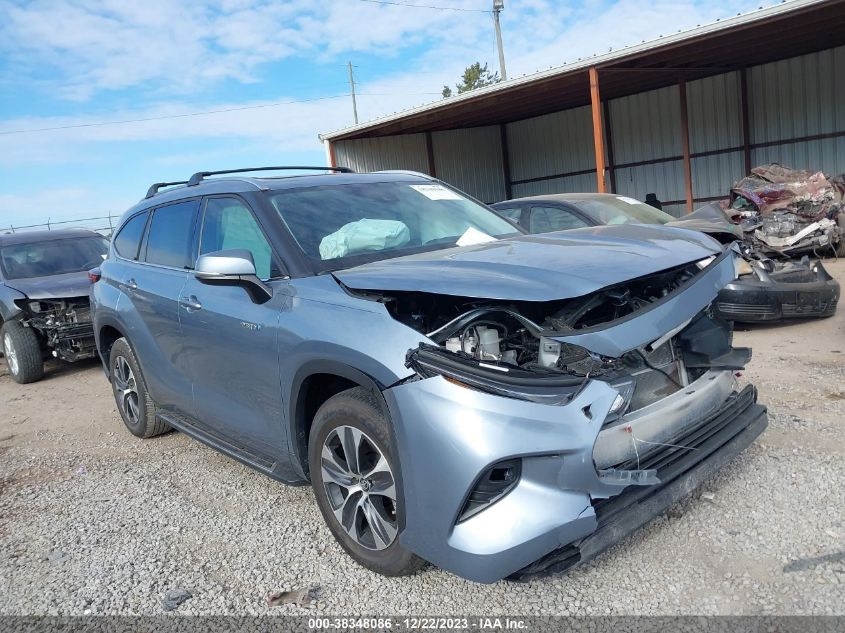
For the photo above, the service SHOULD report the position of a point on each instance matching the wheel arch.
(107, 334)
(315, 382)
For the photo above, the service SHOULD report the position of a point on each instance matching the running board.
(243, 454)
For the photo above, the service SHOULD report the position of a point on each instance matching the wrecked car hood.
(710, 220)
(64, 286)
(558, 265)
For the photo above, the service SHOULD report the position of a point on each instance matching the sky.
(269, 75)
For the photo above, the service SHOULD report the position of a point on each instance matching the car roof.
(25, 237)
(561, 197)
(243, 184)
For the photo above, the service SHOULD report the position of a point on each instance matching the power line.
(170, 116)
(205, 113)
(424, 6)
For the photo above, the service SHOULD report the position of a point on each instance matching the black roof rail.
(153, 190)
(197, 177)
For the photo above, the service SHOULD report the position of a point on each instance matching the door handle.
(191, 303)
(131, 285)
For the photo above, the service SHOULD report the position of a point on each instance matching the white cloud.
(173, 53)
(172, 46)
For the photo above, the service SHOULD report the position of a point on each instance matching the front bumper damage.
(775, 291)
(586, 476)
(64, 326)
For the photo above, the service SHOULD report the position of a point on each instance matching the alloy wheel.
(126, 390)
(360, 487)
(10, 354)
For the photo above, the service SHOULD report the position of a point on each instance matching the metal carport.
(684, 115)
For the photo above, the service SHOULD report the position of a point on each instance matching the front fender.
(9, 310)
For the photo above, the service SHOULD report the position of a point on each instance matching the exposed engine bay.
(64, 326)
(514, 349)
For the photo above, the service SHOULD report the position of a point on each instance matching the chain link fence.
(102, 224)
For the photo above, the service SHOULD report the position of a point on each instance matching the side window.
(514, 213)
(229, 224)
(547, 219)
(128, 239)
(170, 238)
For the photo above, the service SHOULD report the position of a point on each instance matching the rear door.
(153, 284)
(232, 342)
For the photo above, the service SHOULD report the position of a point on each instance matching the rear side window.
(229, 224)
(512, 213)
(128, 239)
(547, 219)
(170, 238)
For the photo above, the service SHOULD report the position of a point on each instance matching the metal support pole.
(506, 162)
(429, 152)
(330, 155)
(746, 120)
(608, 129)
(682, 90)
(352, 88)
(598, 136)
(498, 5)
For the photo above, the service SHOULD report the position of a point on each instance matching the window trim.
(200, 224)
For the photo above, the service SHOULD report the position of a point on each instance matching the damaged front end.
(524, 420)
(64, 326)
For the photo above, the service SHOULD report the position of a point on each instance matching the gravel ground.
(95, 521)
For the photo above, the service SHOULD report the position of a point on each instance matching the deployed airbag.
(364, 236)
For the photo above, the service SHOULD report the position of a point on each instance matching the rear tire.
(358, 495)
(133, 402)
(22, 351)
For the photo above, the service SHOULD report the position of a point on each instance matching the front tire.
(22, 351)
(133, 402)
(352, 473)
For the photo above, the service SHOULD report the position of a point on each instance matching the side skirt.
(265, 464)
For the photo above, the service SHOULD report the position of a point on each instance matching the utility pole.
(352, 87)
(498, 5)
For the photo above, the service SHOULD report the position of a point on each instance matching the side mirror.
(232, 268)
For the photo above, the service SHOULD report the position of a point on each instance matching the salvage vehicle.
(44, 308)
(765, 290)
(788, 212)
(456, 391)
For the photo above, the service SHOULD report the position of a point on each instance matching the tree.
(475, 76)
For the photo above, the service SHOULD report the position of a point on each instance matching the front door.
(232, 342)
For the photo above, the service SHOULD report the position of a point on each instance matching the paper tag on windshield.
(628, 200)
(474, 236)
(436, 192)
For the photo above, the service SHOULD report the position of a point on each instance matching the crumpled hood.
(543, 267)
(708, 219)
(64, 286)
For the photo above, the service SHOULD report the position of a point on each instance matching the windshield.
(336, 225)
(52, 257)
(622, 210)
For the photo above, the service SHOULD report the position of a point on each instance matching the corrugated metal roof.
(703, 57)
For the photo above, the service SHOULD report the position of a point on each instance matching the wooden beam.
(746, 121)
(682, 90)
(506, 162)
(598, 137)
(429, 151)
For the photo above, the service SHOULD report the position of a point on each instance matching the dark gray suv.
(44, 308)
(455, 391)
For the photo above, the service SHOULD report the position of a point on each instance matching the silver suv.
(455, 391)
